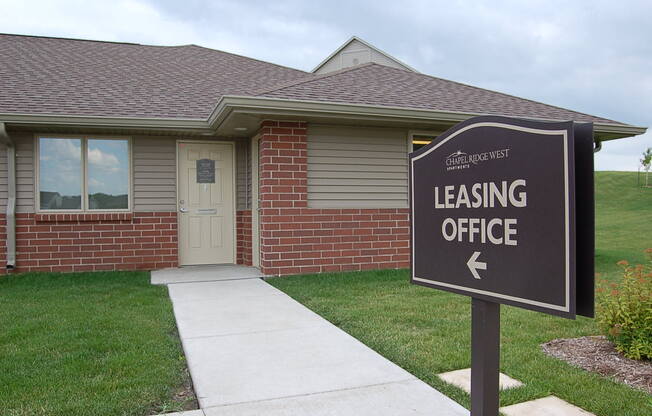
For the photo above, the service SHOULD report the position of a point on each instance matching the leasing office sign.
(495, 205)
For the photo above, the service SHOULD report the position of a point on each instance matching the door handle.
(183, 210)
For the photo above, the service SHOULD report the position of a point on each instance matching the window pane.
(60, 173)
(108, 174)
(419, 141)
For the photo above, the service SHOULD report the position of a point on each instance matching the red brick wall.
(297, 239)
(88, 242)
(243, 237)
(303, 240)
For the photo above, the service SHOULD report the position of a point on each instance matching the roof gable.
(354, 52)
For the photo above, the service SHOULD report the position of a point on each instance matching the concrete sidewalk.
(253, 350)
(211, 273)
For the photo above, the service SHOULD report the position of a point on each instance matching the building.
(354, 52)
(127, 156)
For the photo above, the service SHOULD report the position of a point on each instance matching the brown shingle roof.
(41, 75)
(374, 84)
(74, 77)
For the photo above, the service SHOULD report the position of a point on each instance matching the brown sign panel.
(494, 208)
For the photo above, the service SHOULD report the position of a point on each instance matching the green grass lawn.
(87, 344)
(427, 331)
(623, 218)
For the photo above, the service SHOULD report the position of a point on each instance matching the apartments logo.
(461, 160)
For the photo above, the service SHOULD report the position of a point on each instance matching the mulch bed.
(598, 355)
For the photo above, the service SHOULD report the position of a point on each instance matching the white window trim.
(84, 173)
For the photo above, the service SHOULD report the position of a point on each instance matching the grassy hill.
(623, 217)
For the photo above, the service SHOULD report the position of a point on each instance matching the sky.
(589, 56)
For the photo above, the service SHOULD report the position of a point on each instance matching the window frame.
(83, 172)
(412, 133)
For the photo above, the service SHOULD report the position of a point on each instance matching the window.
(421, 139)
(83, 173)
(418, 142)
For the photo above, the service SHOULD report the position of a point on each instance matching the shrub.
(625, 310)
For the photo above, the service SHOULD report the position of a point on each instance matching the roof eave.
(145, 123)
(279, 106)
(266, 105)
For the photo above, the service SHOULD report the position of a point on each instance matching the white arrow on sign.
(473, 264)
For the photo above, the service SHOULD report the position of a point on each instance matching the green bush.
(625, 310)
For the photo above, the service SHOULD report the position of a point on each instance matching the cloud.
(594, 57)
(103, 161)
(60, 165)
(61, 171)
(121, 20)
(95, 185)
(107, 166)
(64, 150)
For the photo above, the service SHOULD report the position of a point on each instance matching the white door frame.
(255, 211)
(233, 165)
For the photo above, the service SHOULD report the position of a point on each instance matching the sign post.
(485, 357)
(502, 211)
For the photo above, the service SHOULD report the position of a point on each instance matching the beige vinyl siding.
(356, 50)
(24, 172)
(243, 174)
(154, 174)
(357, 167)
(250, 186)
(336, 61)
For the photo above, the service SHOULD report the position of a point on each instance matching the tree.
(646, 161)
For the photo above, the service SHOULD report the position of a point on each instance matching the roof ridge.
(74, 39)
(247, 57)
(96, 41)
(311, 77)
(508, 95)
(155, 46)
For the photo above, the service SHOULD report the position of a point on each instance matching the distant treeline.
(54, 200)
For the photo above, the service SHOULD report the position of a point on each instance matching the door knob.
(183, 210)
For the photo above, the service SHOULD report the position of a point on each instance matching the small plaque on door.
(205, 171)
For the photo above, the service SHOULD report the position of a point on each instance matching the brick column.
(283, 188)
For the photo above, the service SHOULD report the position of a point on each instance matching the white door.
(206, 203)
